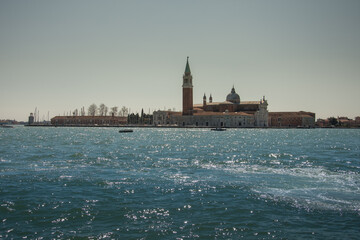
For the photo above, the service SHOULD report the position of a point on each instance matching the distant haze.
(60, 56)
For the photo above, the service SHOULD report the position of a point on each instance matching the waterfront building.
(357, 121)
(344, 122)
(31, 119)
(347, 122)
(322, 122)
(88, 121)
(291, 119)
(230, 113)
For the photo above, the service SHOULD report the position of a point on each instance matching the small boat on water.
(126, 131)
(6, 126)
(218, 129)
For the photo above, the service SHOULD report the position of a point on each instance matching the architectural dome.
(233, 96)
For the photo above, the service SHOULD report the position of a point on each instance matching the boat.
(218, 129)
(6, 126)
(126, 131)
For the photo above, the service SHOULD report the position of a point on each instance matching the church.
(232, 112)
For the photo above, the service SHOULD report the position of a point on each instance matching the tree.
(333, 121)
(133, 118)
(114, 111)
(92, 111)
(103, 110)
(124, 111)
(83, 111)
(142, 116)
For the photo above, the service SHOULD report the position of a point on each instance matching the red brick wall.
(187, 101)
(288, 119)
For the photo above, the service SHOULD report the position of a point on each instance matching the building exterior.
(88, 121)
(347, 122)
(357, 121)
(161, 118)
(31, 119)
(187, 91)
(291, 119)
(230, 113)
(322, 123)
(342, 122)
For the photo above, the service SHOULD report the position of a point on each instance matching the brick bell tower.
(187, 91)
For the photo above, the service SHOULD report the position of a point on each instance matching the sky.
(58, 56)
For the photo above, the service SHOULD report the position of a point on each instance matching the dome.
(233, 96)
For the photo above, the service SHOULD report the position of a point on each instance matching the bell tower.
(187, 91)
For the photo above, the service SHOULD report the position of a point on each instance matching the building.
(230, 113)
(88, 121)
(322, 122)
(291, 119)
(343, 122)
(346, 122)
(31, 119)
(357, 121)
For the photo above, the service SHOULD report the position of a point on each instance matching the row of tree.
(102, 110)
(140, 119)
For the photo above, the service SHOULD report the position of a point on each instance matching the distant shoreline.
(167, 126)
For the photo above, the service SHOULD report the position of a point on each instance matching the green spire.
(187, 69)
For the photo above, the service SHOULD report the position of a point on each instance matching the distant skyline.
(60, 56)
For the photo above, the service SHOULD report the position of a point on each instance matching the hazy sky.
(59, 56)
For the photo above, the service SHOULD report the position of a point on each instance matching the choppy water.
(93, 183)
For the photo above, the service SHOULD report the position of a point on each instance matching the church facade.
(230, 113)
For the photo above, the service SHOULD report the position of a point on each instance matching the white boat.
(218, 129)
(6, 126)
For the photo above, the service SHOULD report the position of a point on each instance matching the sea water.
(158, 183)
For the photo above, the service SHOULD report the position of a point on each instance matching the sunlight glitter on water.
(179, 183)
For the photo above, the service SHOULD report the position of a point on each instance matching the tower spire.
(187, 68)
(187, 90)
